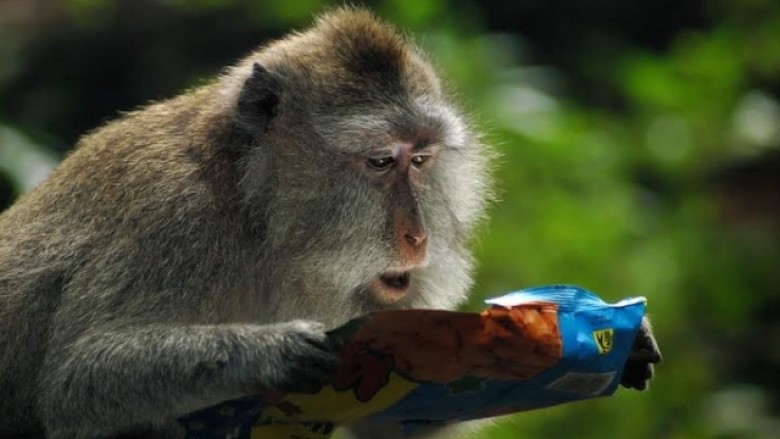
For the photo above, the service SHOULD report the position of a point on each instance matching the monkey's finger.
(326, 361)
(302, 384)
(322, 342)
(310, 386)
(645, 355)
(309, 380)
(636, 375)
(318, 355)
(645, 341)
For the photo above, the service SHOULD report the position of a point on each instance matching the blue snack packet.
(533, 348)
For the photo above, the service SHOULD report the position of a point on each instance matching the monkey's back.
(106, 224)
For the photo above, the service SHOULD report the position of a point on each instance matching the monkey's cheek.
(387, 295)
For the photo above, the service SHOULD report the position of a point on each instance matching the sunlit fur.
(137, 281)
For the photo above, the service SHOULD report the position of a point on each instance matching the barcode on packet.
(590, 384)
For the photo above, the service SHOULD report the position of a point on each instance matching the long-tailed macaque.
(195, 250)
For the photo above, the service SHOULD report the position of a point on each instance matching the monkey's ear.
(258, 100)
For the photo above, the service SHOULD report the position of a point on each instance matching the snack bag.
(530, 349)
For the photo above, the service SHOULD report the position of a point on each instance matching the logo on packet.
(604, 339)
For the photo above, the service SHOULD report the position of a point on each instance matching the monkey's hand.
(301, 359)
(644, 354)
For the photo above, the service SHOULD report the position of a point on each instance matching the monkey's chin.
(391, 287)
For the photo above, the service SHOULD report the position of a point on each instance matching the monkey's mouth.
(391, 287)
(396, 281)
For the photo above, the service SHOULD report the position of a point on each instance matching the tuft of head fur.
(347, 48)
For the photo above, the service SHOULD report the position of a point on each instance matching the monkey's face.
(398, 169)
(377, 181)
(375, 209)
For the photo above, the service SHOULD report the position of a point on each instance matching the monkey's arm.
(109, 380)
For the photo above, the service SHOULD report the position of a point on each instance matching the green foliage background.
(639, 157)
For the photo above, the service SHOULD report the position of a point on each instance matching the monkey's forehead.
(416, 123)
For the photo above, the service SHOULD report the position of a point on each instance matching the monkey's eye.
(380, 163)
(420, 159)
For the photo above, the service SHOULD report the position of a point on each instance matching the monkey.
(198, 249)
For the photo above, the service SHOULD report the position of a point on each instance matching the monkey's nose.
(416, 240)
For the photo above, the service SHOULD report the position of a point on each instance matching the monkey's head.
(369, 179)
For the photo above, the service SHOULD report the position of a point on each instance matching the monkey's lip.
(392, 286)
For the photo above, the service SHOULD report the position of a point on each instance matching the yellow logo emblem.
(603, 339)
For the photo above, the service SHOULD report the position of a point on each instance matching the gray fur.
(163, 266)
